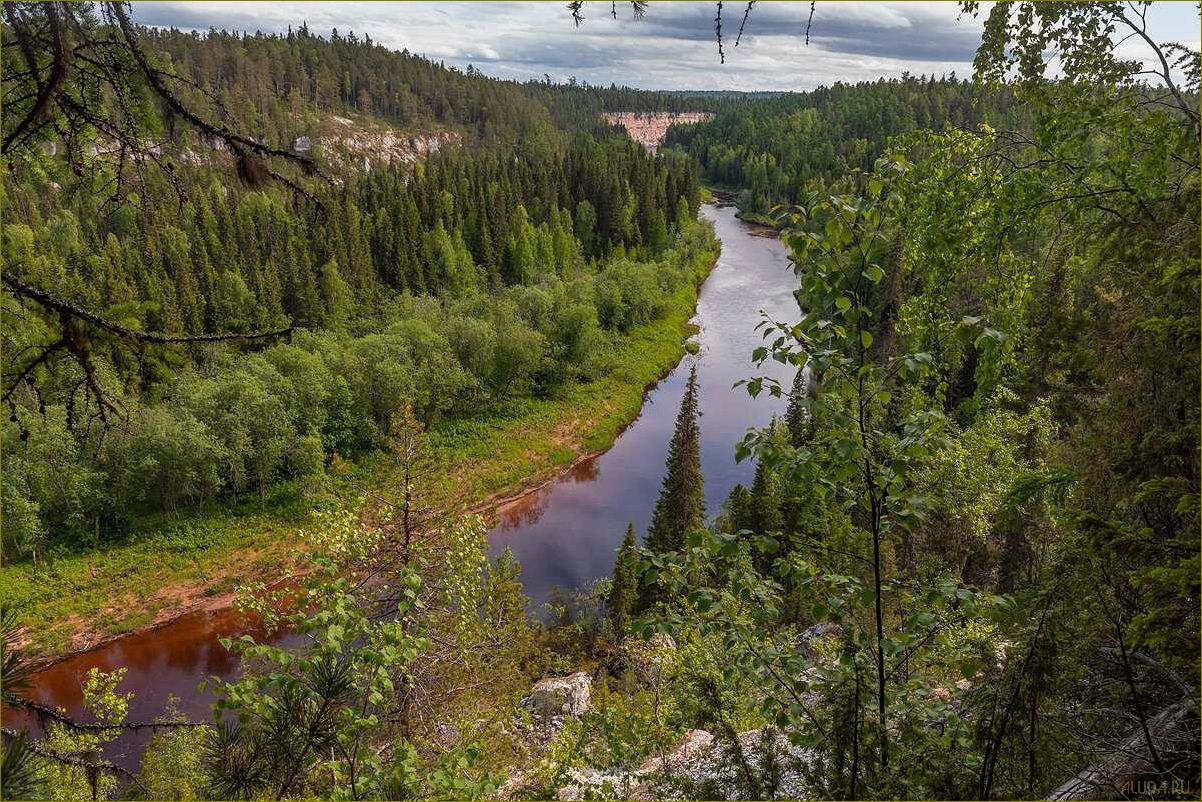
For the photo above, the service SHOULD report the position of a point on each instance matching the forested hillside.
(282, 87)
(773, 150)
(968, 564)
(466, 279)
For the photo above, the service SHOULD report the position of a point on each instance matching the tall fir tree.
(764, 508)
(681, 505)
(623, 593)
(797, 419)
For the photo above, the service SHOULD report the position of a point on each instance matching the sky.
(672, 47)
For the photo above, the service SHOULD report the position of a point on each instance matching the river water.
(564, 535)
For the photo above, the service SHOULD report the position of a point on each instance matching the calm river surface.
(565, 535)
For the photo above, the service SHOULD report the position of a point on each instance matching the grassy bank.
(759, 218)
(173, 564)
(715, 193)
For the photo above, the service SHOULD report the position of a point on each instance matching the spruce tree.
(738, 509)
(681, 505)
(797, 418)
(623, 593)
(765, 516)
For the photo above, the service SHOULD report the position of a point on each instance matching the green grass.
(171, 563)
(759, 218)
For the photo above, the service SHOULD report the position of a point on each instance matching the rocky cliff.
(650, 128)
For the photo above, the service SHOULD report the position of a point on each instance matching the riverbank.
(765, 224)
(196, 561)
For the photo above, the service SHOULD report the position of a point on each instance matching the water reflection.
(163, 666)
(565, 534)
(586, 470)
(525, 510)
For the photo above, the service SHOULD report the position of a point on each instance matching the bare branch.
(718, 33)
(237, 142)
(45, 299)
(743, 24)
(68, 759)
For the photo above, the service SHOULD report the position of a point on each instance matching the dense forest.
(967, 566)
(473, 276)
(279, 87)
(775, 149)
(972, 542)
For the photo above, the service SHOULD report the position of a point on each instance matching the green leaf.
(843, 303)
(866, 338)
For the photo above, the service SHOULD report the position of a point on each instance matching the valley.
(482, 401)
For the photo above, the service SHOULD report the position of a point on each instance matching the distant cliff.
(649, 128)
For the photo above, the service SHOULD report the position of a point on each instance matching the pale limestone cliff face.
(650, 128)
(366, 143)
(374, 144)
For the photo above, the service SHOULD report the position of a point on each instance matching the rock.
(558, 696)
(662, 642)
(446, 734)
(358, 143)
(649, 657)
(1126, 766)
(651, 127)
(819, 630)
(700, 763)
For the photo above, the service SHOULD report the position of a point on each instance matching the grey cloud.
(671, 48)
(184, 16)
(912, 31)
(554, 57)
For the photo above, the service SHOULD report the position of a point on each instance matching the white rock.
(698, 759)
(558, 696)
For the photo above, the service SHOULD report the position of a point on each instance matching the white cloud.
(672, 48)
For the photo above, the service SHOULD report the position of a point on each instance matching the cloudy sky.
(673, 47)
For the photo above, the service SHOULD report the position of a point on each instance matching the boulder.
(560, 696)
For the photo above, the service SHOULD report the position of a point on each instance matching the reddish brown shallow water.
(161, 665)
(565, 534)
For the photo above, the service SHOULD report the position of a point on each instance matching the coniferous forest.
(294, 323)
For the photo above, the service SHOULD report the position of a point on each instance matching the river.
(564, 535)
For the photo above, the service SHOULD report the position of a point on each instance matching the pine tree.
(657, 237)
(339, 301)
(681, 505)
(623, 593)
